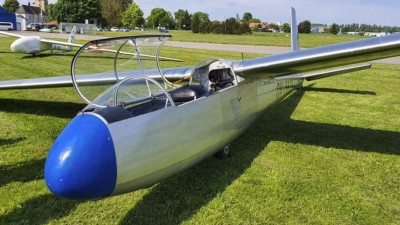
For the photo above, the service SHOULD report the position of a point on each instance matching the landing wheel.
(223, 153)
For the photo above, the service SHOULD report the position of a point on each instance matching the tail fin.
(294, 31)
(71, 38)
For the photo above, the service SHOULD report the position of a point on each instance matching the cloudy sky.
(382, 12)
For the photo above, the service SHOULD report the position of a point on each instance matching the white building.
(375, 34)
(41, 4)
(21, 22)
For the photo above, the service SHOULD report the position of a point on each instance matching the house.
(353, 33)
(41, 4)
(262, 26)
(32, 14)
(375, 34)
(7, 17)
(318, 28)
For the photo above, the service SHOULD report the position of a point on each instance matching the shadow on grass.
(39, 55)
(11, 141)
(39, 210)
(23, 172)
(340, 91)
(282, 128)
(47, 54)
(8, 52)
(45, 108)
(337, 136)
(179, 198)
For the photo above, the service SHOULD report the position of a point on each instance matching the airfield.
(328, 154)
(255, 49)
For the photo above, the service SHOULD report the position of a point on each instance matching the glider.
(35, 44)
(140, 128)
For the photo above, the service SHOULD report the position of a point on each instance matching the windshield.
(100, 66)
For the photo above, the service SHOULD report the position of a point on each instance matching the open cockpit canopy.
(127, 68)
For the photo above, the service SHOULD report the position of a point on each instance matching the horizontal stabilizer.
(325, 73)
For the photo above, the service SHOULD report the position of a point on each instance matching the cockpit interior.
(140, 93)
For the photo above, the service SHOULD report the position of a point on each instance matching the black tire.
(223, 153)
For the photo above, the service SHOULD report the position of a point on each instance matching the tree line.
(127, 13)
(362, 28)
(229, 26)
(305, 27)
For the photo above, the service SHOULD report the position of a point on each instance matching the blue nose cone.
(81, 165)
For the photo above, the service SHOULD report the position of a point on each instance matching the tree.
(50, 10)
(195, 23)
(159, 17)
(232, 26)
(11, 5)
(237, 17)
(204, 27)
(133, 16)
(182, 19)
(111, 11)
(215, 27)
(254, 20)
(273, 26)
(203, 17)
(168, 21)
(247, 17)
(286, 28)
(305, 27)
(89, 9)
(244, 28)
(334, 28)
(75, 11)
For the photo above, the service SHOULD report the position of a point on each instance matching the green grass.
(257, 38)
(329, 154)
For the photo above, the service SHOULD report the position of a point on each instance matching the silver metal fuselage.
(157, 145)
(96, 157)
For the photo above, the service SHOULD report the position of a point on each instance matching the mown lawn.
(257, 38)
(329, 154)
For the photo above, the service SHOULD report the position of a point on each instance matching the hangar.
(8, 17)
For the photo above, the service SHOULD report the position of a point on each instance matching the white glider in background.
(35, 44)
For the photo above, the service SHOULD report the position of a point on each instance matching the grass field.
(329, 154)
(257, 38)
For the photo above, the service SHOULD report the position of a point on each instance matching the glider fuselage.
(33, 45)
(142, 150)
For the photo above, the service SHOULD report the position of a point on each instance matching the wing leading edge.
(326, 73)
(321, 57)
(60, 43)
(93, 79)
(11, 34)
(42, 40)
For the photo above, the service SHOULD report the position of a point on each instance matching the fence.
(81, 28)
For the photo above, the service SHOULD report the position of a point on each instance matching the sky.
(382, 12)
